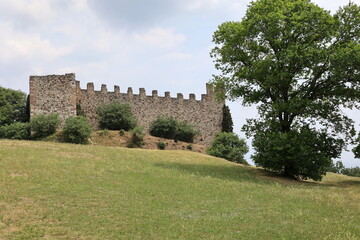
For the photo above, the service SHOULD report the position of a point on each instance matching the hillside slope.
(63, 191)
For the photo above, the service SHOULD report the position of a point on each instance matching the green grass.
(63, 191)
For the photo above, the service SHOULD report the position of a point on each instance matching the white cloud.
(160, 38)
(177, 56)
(20, 46)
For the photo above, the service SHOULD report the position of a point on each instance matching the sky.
(159, 45)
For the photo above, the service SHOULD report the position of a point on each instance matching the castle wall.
(61, 94)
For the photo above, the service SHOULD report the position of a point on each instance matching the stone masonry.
(62, 94)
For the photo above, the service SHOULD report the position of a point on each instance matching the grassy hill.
(63, 191)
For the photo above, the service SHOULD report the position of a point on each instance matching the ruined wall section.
(205, 114)
(62, 94)
(53, 94)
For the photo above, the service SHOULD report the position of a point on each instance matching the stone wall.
(62, 94)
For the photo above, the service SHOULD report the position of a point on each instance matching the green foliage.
(122, 132)
(189, 147)
(77, 130)
(303, 153)
(185, 132)
(137, 137)
(354, 172)
(104, 133)
(229, 146)
(17, 130)
(161, 145)
(164, 127)
(44, 125)
(116, 116)
(12, 106)
(168, 127)
(227, 122)
(336, 168)
(300, 65)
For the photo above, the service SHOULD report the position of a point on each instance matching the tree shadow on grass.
(239, 173)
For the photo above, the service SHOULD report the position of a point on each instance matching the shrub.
(44, 125)
(185, 132)
(137, 137)
(354, 172)
(104, 133)
(18, 130)
(116, 116)
(77, 130)
(161, 145)
(164, 127)
(168, 127)
(122, 132)
(189, 147)
(229, 146)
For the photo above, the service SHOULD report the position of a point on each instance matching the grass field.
(64, 191)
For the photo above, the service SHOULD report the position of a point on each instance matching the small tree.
(116, 116)
(44, 125)
(228, 146)
(227, 122)
(77, 130)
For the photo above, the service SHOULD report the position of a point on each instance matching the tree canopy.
(300, 65)
(13, 106)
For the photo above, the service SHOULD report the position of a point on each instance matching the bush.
(354, 172)
(185, 132)
(229, 146)
(168, 127)
(104, 133)
(189, 147)
(161, 145)
(44, 125)
(116, 116)
(18, 130)
(164, 127)
(77, 130)
(122, 132)
(137, 137)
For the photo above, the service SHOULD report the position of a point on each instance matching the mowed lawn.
(63, 191)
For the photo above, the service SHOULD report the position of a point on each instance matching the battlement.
(62, 94)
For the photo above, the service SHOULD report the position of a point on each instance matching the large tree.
(301, 66)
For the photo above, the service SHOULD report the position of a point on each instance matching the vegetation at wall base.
(299, 64)
(44, 125)
(116, 116)
(228, 145)
(17, 130)
(77, 130)
(67, 191)
(170, 128)
(137, 137)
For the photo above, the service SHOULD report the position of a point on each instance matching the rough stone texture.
(62, 94)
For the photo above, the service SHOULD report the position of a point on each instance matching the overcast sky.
(156, 44)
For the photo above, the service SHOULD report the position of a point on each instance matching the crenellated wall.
(62, 94)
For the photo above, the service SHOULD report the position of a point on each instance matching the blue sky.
(156, 44)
